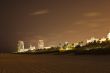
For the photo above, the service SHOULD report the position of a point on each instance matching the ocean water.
(15, 63)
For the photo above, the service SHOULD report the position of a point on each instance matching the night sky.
(53, 21)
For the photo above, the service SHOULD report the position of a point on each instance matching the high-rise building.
(40, 44)
(20, 46)
(108, 36)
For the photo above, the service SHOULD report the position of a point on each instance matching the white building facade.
(40, 44)
(20, 46)
(108, 36)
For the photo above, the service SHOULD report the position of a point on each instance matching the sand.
(15, 63)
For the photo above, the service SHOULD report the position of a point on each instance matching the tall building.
(40, 44)
(108, 36)
(20, 46)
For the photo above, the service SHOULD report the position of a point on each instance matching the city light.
(65, 47)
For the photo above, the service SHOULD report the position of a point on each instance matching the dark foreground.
(15, 63)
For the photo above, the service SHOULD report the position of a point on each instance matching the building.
(40, 44)
(47, 47)
(66, 43)
(108, 36)
(102, 40)
(20, 46)
(66, 46)
(92, 40)
(76, 44)
(32, 47)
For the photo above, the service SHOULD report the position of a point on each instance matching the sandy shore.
(12, 63)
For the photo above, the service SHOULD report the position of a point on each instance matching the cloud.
(89, 23)
(41, 12)
(94, 25)
(80, 22)
(92, 14)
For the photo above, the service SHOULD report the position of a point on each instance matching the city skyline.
(54, 21)
(69, 45)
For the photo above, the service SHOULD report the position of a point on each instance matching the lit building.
(92, 40)
(75, 44)
(20, 46)
(47, 47)
(66, 43)
(66, 46)
(102, 40)
(40, 44)
(32, 47)
(23, 50)
(69, 47)
(108, 36)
